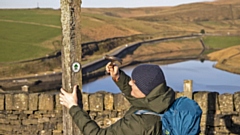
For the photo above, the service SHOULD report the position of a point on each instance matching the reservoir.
(205, 78)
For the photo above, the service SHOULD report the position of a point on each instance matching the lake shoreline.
(204, 75)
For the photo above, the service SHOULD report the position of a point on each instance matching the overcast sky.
(93, 3)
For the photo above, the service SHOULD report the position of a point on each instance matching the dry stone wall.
(41, 113)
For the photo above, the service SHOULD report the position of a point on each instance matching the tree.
(202, 31)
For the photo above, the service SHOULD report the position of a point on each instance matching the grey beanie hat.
(147, 77)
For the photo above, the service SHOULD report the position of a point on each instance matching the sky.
(55, 4)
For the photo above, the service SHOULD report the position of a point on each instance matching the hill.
(32, 33)
(227, 59)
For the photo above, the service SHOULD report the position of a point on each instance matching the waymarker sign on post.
(71, 56)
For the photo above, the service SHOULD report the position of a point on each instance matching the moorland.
(29, 34)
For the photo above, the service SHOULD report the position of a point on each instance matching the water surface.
(205, 78)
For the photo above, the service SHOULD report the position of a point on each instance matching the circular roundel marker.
(76, 67)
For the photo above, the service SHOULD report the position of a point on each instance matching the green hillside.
(23, 33)
(40, 29)
(27, 34)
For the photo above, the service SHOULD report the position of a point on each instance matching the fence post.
(187, 88)
(71, 56)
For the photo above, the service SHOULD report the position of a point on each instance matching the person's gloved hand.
(70, 99)
(113, 69)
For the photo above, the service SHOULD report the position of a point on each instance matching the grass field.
(32, 33)
(220, 42)
(41, 16)
(23, 41)
(39, 29)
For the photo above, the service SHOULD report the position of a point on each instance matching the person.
(146, 89)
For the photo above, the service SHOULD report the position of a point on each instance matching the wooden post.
(71, 56)
(187, 88)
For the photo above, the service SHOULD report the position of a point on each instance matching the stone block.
(2, 101)
(57, 132)
(22, 115)
(208, 101)
(59, 126)
(105, 113)
(46, 102)
(96, 102)
(28, 112)
(2, 114)
(17, 112)
(56, 120)
(20, 101)
(203, 120)
(41, 112)
(221, 120)
(226, 102)
(43, 120)
(9, 102)
(34, 116)
(40, 126)
(49, 114)
(85, 101)
(58, 106)
(108, 101)
(48, 126)
(45, 132)
(33, 101)
(12, 116)
(30, 121)
(236, 120)
(17, 129)
(178, 94)
(15, 122)
(4, 121)
(221, 130)
(236, 99)
(4, 127)
(120, 102)
(58, 113)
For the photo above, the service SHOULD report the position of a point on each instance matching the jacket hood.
(158, 100)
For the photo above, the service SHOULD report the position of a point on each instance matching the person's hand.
(69, 99)
(113, 69)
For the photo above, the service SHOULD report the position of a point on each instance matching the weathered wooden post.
(187, 88)
(71, 55)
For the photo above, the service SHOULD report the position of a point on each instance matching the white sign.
(76, 67)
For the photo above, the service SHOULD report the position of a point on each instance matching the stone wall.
(41, 113)
(30, 114)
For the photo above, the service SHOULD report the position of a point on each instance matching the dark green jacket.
(158, 100)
